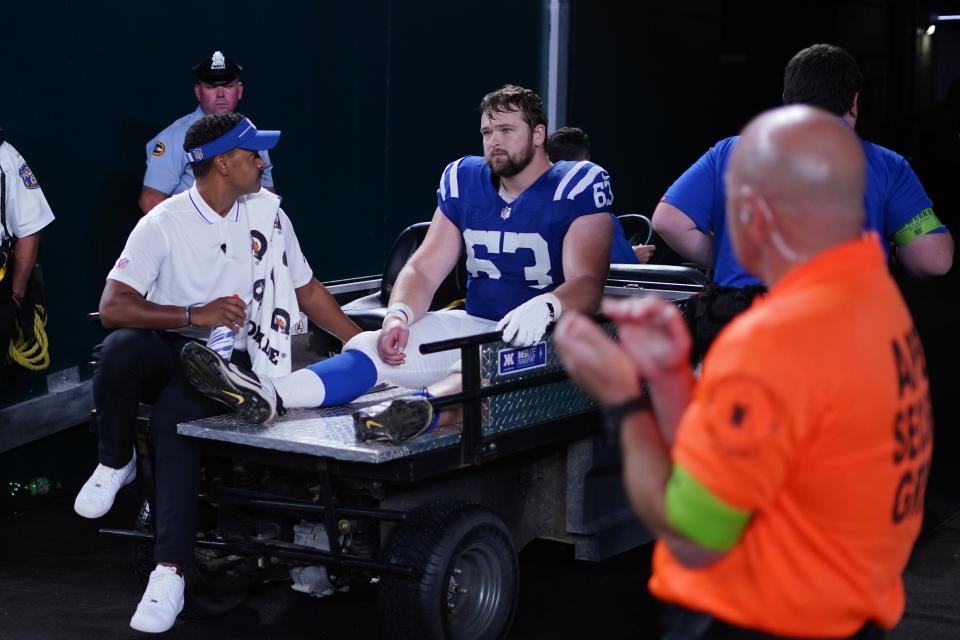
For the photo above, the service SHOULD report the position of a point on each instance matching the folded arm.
(420, 278)
(24, 257)
(929, 255)
(123, 306)
(682, 234)
(322, 309)
(149, 198)
(586, 261)
(416, 284)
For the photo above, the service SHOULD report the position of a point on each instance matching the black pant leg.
(177, 469)
(134, 365)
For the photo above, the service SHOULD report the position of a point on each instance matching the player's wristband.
(186, 310)
(400, 309)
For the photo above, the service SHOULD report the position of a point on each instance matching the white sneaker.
(251, 396)
(97, 495)
(161, 602)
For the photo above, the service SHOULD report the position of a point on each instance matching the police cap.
(217, 68)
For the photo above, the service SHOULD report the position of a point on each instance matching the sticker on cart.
(521, 359)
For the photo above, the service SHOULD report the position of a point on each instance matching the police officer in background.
(23, 213)
(218, 90)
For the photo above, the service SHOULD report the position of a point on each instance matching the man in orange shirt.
(786, 486)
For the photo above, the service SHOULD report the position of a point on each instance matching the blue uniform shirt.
(893, 198)
(621, 252)
(515, 250)
(167, 168)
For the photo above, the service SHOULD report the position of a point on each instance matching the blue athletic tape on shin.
(345, 377)
(423, 393)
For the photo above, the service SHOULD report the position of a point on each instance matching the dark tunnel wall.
(373, 98)
(675, 77)
(656, 83)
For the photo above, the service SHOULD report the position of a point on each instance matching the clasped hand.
(654, 342)
(392, 341)
(228, 311)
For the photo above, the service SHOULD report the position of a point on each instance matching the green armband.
(697, 514)
(924, 222)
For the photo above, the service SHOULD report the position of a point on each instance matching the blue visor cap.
(243, 136)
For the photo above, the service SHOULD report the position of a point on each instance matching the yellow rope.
(456, 304)
(34, 356)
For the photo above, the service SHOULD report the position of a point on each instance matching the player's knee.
(365, 342)
(122, 352)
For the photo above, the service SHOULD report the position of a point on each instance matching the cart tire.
(466, 576)
(207, 594)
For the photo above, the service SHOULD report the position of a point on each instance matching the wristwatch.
(613, 416)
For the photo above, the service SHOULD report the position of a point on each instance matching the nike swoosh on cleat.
(235, 396)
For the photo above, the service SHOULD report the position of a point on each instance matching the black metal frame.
(473, 449)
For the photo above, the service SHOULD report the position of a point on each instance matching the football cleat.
(252, 397)
(395, 420)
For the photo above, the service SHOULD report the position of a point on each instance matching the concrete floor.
(61, 579)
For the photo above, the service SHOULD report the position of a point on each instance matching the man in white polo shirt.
(187, 268)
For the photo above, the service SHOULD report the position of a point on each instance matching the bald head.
(802, 171)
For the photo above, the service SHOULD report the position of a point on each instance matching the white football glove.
(526, 324)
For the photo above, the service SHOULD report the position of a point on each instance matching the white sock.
(301, 389)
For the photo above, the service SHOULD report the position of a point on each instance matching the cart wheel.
(466, 579)
(208, 593)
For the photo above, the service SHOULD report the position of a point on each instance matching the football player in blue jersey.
(572, 143)
(537, 240)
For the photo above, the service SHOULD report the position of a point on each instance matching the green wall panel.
(373, 98)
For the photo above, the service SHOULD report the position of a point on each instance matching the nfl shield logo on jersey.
(505, 213)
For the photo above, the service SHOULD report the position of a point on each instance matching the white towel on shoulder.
(274, 298)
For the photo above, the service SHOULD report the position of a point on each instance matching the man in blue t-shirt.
(537, 242)
(218, 90)
(691, 216)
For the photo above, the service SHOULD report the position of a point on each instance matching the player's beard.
(513, 165)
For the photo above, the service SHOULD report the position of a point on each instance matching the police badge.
(29, 180)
